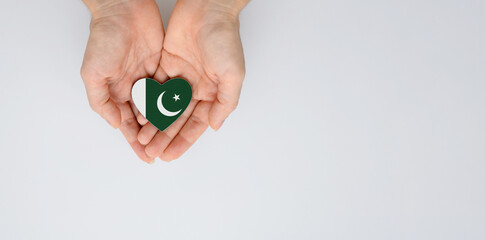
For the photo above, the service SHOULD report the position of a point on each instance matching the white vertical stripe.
(138, 93)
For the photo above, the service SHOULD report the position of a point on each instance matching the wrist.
(235, 6)
(224, 7)
(103, 8)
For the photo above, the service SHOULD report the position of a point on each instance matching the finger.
(162, 139)
(228, 92)
(100, 101)
(158, 143)
(140, 152)
(160, 75)
(130, 128)
(147, 132)
(141, 119)
(129, 125)
(191, 131)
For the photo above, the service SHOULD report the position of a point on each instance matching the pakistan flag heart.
(161, 104)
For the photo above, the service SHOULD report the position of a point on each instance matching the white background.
(358, 120)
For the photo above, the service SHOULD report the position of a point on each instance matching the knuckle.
(233, 105)
(83, 72)
(239, 73)
(199, 121)
(95, 106)
(87, 74)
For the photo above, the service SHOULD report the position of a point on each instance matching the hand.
(125, 45)
(202, 45)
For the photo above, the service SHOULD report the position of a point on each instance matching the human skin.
(123, 46)
(202, 45)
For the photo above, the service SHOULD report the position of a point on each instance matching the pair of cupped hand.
(201, 44)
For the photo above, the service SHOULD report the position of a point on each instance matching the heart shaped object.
(161, 104)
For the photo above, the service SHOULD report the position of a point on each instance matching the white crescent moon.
(163, 110)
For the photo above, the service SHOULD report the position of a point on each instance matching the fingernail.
(151, 161)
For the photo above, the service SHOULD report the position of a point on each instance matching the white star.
(176, 97)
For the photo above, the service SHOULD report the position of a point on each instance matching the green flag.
(161, 104)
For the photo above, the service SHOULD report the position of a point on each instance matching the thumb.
(228, 92)
(101, 103)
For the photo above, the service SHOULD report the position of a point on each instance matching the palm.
(203, 47)
(121, 49)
